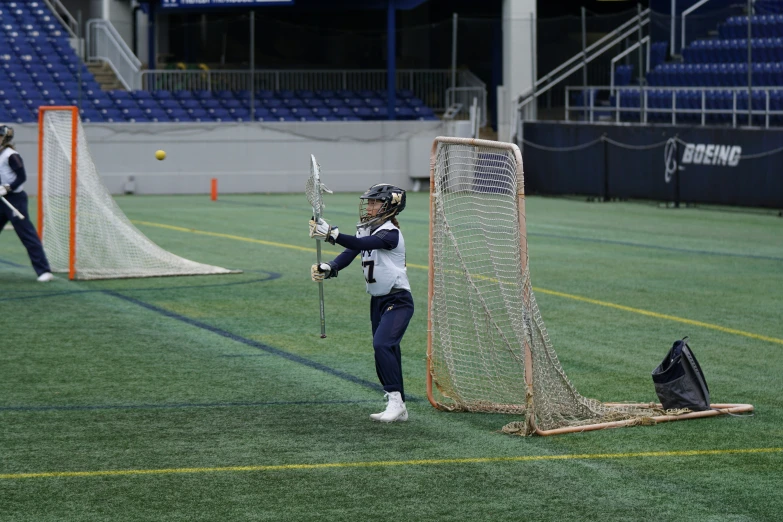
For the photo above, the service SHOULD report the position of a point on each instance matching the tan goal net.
(488, 348)
(84, 231)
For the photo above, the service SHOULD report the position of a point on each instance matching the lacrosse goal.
(487, 348)
(84, 232)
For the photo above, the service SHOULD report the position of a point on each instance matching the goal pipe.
(74, 164)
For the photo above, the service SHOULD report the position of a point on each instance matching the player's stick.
(13, 208)
(314, 189)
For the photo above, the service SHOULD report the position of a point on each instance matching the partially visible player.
(12, 178)
(379, 241)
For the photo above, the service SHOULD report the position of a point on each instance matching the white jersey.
(7, 176)
(384, 270)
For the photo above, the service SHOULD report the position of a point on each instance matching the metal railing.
(520, 110)
(684, 15)
(472, 89)
(429, 85)
(735, 114)
(63, 16)
(645, 40)
(464, 97)
(105, 44)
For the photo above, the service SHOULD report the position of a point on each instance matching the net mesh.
(107, 245)
(314, 189)
(483, 310)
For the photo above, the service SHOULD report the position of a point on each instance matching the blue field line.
(249, 342)
(11, 263)
(245, 355)
(88, 407)
(36, 295)
(656, 247)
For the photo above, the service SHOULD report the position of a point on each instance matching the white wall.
(268, 157)
(518, 58)
(119, 13)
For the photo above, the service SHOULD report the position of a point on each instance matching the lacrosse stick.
(13, 208)
(313, 190)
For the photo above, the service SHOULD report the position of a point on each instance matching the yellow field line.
(661, 316)
(225, 236)
(390, 463)
(640, 311)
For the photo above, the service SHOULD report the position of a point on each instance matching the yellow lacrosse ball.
(160, 154)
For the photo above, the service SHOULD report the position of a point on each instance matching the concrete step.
(105, 76)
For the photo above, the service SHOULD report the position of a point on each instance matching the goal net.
(84, 231)
(488, 349)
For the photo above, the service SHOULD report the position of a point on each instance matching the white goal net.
(84, 231)
(488, 348)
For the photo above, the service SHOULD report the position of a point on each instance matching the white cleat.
(45, 277)
(395, 410)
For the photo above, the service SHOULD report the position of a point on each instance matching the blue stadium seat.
(231, 103)
(220, 114)
(113, 115)
(190, 104)
(178, 114)
(365, 113)
(425, 113)
(354, 102)
(279, 112)
(199, 114)
(168, 104)
(302, 113)
(158, 115)
(135, 115)
(343, 112)
(315, 102)
(211, 103)
(240, 113)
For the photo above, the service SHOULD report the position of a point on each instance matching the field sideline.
(213, 397)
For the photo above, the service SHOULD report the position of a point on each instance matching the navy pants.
(25, 230)
(390, 315)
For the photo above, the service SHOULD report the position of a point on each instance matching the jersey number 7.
(368, 267)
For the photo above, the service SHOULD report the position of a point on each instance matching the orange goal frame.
(716, 409)
(74, 164)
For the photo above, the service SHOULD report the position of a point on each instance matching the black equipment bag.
(679, 381)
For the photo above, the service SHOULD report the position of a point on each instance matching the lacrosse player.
(379, 242)
(12, 177)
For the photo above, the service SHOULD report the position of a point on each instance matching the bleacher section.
(715, 63)
(39, 67)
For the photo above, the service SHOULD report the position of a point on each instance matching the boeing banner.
(718, 165)
(177, 4)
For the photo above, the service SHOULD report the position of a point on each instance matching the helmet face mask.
(379, 204)
(6, 135)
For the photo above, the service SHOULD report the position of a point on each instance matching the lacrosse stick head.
(314, 188)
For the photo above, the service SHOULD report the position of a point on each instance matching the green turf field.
(213, 398)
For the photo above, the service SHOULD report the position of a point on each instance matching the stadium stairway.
(105, 76)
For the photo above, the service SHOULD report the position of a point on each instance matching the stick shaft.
(320, 289)
(13, 208)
